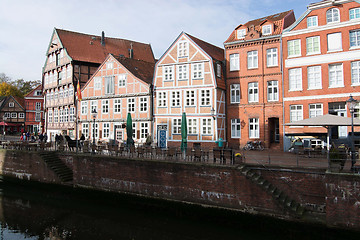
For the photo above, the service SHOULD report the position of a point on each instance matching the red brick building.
(321, 52)
(254, 81)
(34, 106)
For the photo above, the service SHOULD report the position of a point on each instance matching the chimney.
(103, 38)
(131, 51)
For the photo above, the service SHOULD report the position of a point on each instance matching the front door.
(162, 136)
(342, 130)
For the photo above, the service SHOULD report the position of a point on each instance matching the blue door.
(162, 138)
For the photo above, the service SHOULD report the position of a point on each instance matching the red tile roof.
(31, 93)
(20, 100)
(140, 69)
(88, 48)
(215, 52)
(279, 21)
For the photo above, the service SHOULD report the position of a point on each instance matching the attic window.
(183, 49)
(241, 33)
(38, 93)
(109, 65)
(266, 30)
(11, 104)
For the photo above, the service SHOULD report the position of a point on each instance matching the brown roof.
(31, 93)
(215, 52)
(140, 69)
(279, 21)
(20, 100)
(88, 48)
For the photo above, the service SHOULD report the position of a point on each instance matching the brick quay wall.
(329, 199)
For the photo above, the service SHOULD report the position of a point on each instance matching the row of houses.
(273, 70)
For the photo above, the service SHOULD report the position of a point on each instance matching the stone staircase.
(280, 196)
(53, 162)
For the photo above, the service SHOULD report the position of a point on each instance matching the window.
(253, 92)
(134, 131)
(296, 113)
(38, 93)
(192, 126)
(336, 78)
(235, 93)
(254, 130)
(68, 69)
(97, 83)
(295, 79)
(205, 97)
(84, 108)
(13, 115)
(21, 115)
(66, 92)
(235, 128)
(266, 30)
(206, 126)
(93, 106)
(56, 117)
(72, 114)
(66, 115)
(85, 130)
(105, 106)
(241, 33)
(197, 70)
(161, 99)
(95, 130)
(37, 116)
(61, 94)
(131, 104)
(313, 45)
(143, 104)
(59, 77)
(314, 77)
(11, 104)
(218, 70)
(252, 58)
(122, 80)
(7, 115)
(175, 99)
(294, 48)
(355, 38)
(117, 105)
(315, 110)
(332, 15)
(38, 106)
(109, 65)
(61, 111)
(334, 42)
(176, 126)
(182, 49)
(234, 62)
(109, 85)
(355, 73)
(182, 72)
(354, 13)
(119, 135)
(144, 130)
(272, 91)
(71, 90)
(271, 57)
(190, 98)
(106, 130)
(50, 116)
(312, 21)
(168, 73)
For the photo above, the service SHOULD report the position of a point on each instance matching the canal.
(39, 211)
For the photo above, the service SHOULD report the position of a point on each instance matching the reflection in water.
(43, 212)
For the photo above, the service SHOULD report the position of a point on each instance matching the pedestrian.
(41, 137)
(45, 137)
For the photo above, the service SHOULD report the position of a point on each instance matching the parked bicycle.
(254, 145)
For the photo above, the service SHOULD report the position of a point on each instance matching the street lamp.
(351, 104)
(212, 112)
(94, 115)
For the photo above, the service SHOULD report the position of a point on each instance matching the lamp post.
(351, 104)
(94, 115)
(4, 119)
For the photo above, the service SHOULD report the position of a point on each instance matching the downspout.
(282, 90)
(151, 89)
(264, 88)
(226, 108)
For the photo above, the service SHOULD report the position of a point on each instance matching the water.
(49, 212)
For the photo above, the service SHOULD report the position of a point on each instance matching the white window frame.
(254, 128)
(143, 104)
(38, 106)
(7, 115)
(334, 42)
(266, 29)
(168, 73)
(354, 36)
(11, 104)
(197, 70)
(176, 126)
(252, 59)
(21, 115)
(13, 115)
(294, 48)
(355, 73)
(85, 130)
(66, 114)
(271, 57)
(192, 124)
(117, 105)
(72, 114)
(176, 99)
(332, 15)
(131, 105)
(205, 97)
(37, 116)
(106, 130)
(296, 113)
(235, 128)
(354, 13)
(253, 92)
(84, 107)
(97, 83)
(235, 93)
(190, 98)
(122, 80)
(50, 116)
(295, 79)
(182, 72)
(161, 99)
(144, 130)
(314, 77)
(109, 85)
(56, 115)
(105, 106)
(312, 21)
(313, 45)
(183, 49)
(241, 33)
(134, 131)
(336, 71)
(272, 90)
(206, 126)
(109, 65)
(315, 110)
(234, 62)
(94, 105)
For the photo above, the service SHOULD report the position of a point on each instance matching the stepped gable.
(88, 48)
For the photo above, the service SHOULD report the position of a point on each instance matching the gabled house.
(254, 81)
(72, 58)
(34, 106)
(12, 115)
(120, 86)
(322, 68)
(189, 78)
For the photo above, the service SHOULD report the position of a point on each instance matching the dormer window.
(11, 104)
(183, 48)
(266, 30)
(109, 65)
(312, 21)
(241, 33)
(354, 13)
(332, 15)
(38, 93)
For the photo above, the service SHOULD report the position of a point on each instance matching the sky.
(26, 26)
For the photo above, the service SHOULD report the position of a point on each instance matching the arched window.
(332, 15)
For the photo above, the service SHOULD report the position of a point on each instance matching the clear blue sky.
(26, 26)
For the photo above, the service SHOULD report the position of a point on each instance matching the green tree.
(7, 89)
(25, 86)
(21, 85)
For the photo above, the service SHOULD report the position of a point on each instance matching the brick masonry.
(330, 199)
